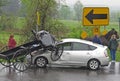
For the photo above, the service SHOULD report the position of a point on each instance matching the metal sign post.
(119, 25)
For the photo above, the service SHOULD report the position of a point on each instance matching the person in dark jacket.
(112, 45)
(96, 39)
(11, 42)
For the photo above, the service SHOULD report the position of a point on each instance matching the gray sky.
(107, 3)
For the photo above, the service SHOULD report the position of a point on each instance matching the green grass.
(111, 25)
(20, 23)
(70, 23)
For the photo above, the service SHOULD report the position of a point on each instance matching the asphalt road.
(109, 73)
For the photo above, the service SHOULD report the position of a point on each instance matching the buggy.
(17, 57)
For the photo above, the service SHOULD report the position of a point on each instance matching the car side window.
(82, 46)
(67, 46)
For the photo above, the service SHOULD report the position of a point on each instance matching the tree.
(45, 7)
(64, 12)
(2, 3)
(47, 10)
(78, 10)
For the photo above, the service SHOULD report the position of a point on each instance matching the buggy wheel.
(21, 64)
(5, 62)
(56, 52)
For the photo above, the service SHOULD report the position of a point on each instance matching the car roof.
(75, 40)
(81, 41)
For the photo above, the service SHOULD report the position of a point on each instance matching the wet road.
(110, 73)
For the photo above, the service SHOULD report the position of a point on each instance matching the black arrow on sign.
(90, 16)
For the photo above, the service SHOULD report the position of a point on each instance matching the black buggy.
(16, 57)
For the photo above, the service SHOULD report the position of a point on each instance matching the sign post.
(119, 25)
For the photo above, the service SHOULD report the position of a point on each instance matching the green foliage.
(57, 28)
(20, 23)
(45, 7)
(7, 22)
(47, 10)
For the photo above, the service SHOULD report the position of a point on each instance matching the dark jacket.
(113, 44)
(96, 40)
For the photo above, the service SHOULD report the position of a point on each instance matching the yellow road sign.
(84, 34)
(96, 30)
(95, 16)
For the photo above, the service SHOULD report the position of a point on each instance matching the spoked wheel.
(21, 63)
(6, 62)
(57, 52)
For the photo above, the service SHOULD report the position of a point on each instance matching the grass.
(70, 23)
(111, 25)
(20, 23)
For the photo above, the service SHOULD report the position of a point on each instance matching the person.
(112, 45)
(11, 42)
(96, 39)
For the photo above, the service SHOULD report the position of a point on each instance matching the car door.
(80, 53)
(66, 52)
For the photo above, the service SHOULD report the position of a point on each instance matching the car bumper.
(104, 61)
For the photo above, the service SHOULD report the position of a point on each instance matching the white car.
(76, 52)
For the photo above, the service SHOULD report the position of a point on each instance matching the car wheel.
(41, 62)
(93, 64)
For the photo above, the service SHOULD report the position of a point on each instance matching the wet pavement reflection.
(109, 73)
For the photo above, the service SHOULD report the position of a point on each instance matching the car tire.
(41, 62)
(93, 64)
